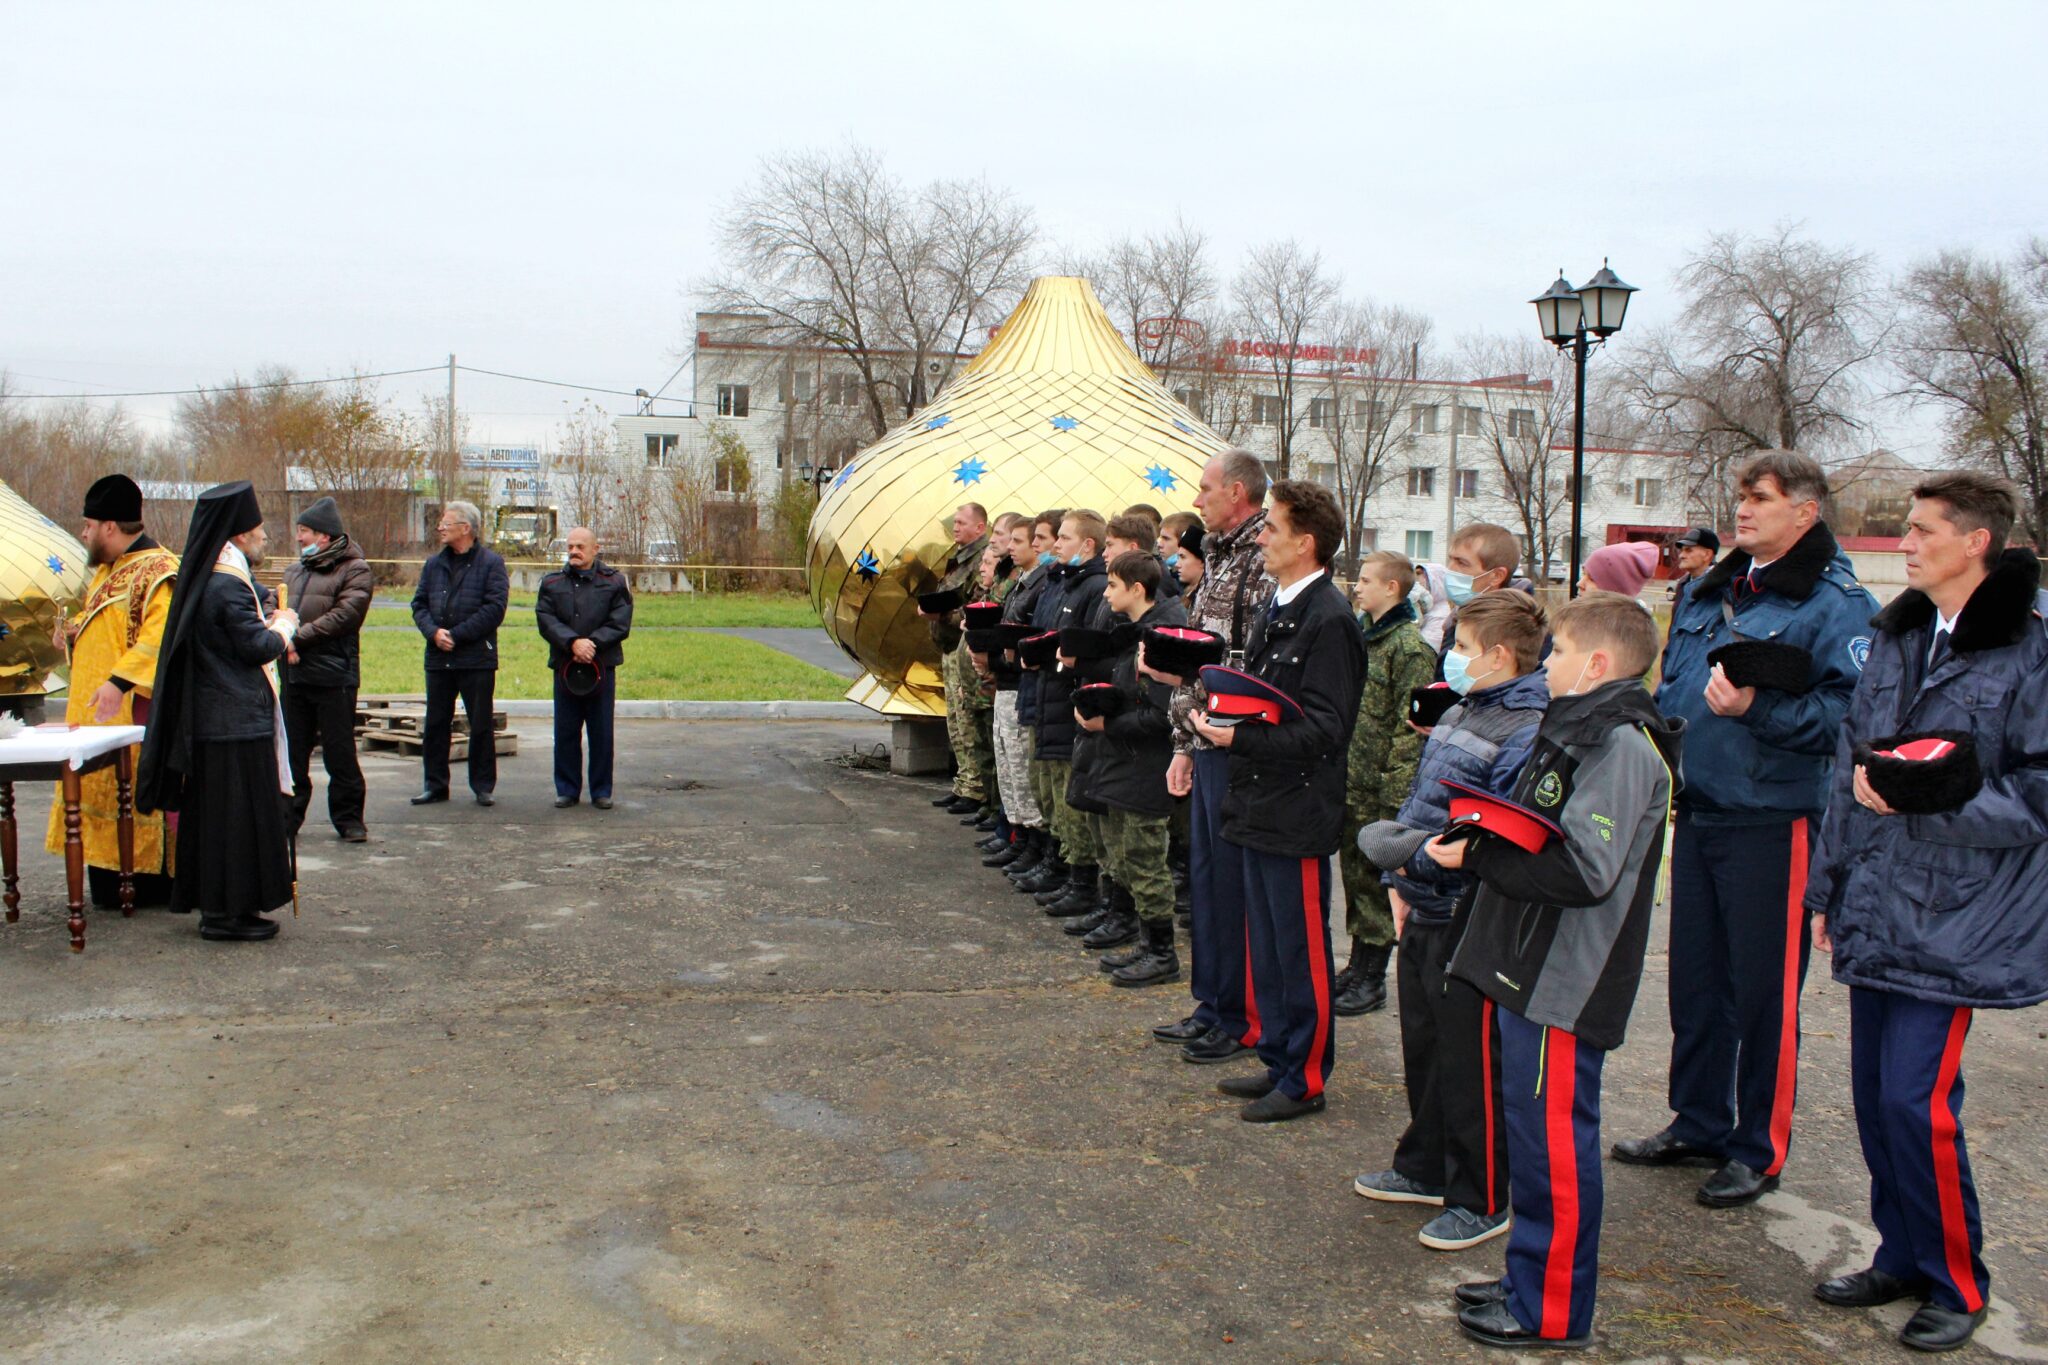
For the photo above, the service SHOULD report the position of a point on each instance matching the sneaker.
(1391, 1187)
(1456, 1229)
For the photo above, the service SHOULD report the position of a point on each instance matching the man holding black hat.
(458, 607)
(329, 585)
(215, 751)
(113, 644)
(1928, 887)
(971, 782)
(1754, 782)
(584, 611)
(1696, 551)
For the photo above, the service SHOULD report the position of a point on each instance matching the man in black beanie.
(329, 585)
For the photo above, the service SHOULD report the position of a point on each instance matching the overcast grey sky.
(191, 191)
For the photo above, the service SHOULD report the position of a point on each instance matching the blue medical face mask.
(1047, 557)
(308, 551)
(1077, 559)
(1173, 561)
(1459, 586)
(1458, 672)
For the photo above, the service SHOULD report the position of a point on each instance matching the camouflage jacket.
(1235, 588)
(961, 567)
(1380, 766)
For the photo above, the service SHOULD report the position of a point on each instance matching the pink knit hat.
(1623, 568)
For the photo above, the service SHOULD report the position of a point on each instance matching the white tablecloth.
(61, 744)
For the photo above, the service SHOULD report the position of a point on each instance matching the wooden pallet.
(407, 745)
(408, 715)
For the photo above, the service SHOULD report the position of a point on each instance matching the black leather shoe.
(1278, 1108)
(1213, 1047)
(1935, 1328)
(1247, 1087)
(1480, 1292)
(1734, 1186)
(1184, 1031)
(1868, 1289)
(1494, 1325)
(601, 802)
(944, 801)
(486, 799)
(564, 802)
(429, 798)
(960, 805)
(354, 834)
(247, 931)
(1662, 1149)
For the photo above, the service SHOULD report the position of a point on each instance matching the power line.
(234, 388)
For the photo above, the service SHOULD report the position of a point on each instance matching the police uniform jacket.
(594, 604)
(1286, 786)
(1951, 908)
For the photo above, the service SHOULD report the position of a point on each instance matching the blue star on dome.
(844, 475)
(969, 470)
(937, 422)
(56, 564)
(867, 566)
(1064, 423)
(1184, 426)
(1162, 478)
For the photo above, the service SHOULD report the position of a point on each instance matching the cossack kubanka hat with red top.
(983, 615)
(1483, 812)
(1236, 696)
(1098, 699)
(1040, 651)
(1922, 774)
(940, 602)
(1181, 651)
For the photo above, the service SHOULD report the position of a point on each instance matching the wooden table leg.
(9, 855)
(124, 786)
(74, 858)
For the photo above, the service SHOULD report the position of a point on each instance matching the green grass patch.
(720, 609)
(658, 667)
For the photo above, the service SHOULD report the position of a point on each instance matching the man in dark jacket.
(458, 606)
(1755, 779)
(584, 610)
(1283, 812)
(1033, 847)
(1079, 549)
(969, 529)
(1931, 916)
(329, 586)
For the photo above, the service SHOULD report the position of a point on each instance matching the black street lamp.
(1575, 321)
(817, 477)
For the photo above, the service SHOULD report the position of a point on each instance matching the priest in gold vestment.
(113, 643)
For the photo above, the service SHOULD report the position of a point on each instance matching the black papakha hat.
(1015, 633)
(580, 679)
(1426, 705)
(1098, 699)
(113, 498)
(323, 516)
(1040, 651)
(940, 602)
(983, 615)
(987, 640)
(1925, 773)
(1083, 642)
(1183, 651)
(1765, 663)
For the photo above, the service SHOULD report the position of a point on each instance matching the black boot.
(1079, 897)
(1367, 990)
(1051, 871)
(1159, 963)
(1031, 852)
(1351, 966)
(1109, 962)
(1009, 852)
(995, 841)
(1086, 924)
(1119, 926)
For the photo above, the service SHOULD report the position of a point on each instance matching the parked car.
(664, 552)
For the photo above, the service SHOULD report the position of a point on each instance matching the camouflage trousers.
(967, 730)
(1075, 829)
(1135, 854)
(1368, 916)
(1013, 758)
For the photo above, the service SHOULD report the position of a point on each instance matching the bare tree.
(1161, 292)
(1770, 349)
(832, 252)
(1524, 439)
(598, 484)
(1975, 346)
(50, 453)
(1283, 297)
(1355, 403)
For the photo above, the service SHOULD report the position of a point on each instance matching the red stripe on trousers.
(1252, 1032)
(1486, 1100)
(1560, 1080)
(1787, 1088)
(1948, 1181)
(1318, 970)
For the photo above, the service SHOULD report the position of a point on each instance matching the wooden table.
(65, 754)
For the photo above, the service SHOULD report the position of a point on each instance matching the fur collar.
(1796, 574)
(1400, 614)
(1995, 616)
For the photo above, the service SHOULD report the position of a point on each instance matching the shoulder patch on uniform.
(1550, 790)
(1859, 652)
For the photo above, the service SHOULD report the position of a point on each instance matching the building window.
(1371, 412)
(797, 452)
(1422, 419)
(1321, 411)
(800, 386)
(1468, 421)
(1649, 492)
(661, 449)
(1418, 546)
(1324, 474)
(1422, 483)
(1521, 421)
(729, 474)
(1265, 409)
(1466, 483)
(1365, 540)
(1194, 400)
(842, 390)
(732, 400)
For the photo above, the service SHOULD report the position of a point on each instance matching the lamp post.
(1575, 321)
(816, 476)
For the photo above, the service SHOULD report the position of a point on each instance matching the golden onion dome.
(1056, 411)
(42, 578)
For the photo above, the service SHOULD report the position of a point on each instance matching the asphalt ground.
(762, 1066)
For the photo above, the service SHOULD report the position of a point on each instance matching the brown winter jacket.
(331, 593)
